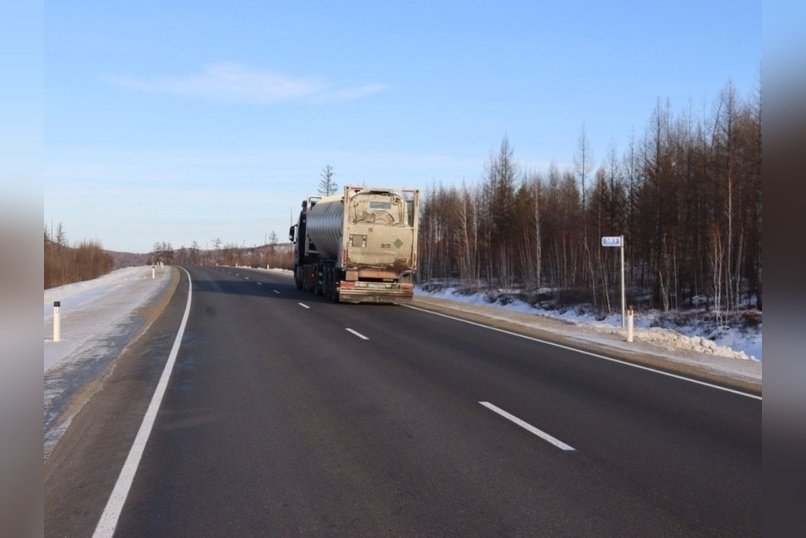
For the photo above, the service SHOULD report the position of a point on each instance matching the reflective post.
(630, 315)
(57, 321)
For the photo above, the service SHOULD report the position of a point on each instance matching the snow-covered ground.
(739, 342)
(97, 308)
(99, 318)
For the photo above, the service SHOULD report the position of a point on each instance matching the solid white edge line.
(526, 426)
(303, 305)
(358, 334)
(109, 519)
(591, 354)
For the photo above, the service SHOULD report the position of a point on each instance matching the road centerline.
(528, 427)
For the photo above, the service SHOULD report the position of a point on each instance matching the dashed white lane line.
(303, 305)
(109, 519)
(356, 333)
(276, 292)
(260, 283)
(528, 427)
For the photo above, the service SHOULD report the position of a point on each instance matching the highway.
(286, 414)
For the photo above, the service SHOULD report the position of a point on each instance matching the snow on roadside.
(95, 308)
(99, 318)
(732, 342)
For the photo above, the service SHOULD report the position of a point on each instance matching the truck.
(358, 246)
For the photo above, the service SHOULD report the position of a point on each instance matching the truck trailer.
(358, 246)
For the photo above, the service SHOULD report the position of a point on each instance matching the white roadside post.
(629, 325)
(57, 321)
(618, 241)
(153, 272)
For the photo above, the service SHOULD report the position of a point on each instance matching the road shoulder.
(737, 374)
(82, 469)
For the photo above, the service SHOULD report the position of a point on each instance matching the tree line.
(686, 197)
(65, 264)
(273, 254)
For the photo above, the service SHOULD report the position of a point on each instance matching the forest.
(686, 196)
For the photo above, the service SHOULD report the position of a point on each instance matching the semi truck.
(358, 246)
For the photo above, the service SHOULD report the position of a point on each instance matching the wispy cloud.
(235, 83)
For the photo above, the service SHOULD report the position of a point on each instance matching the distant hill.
(127, 259)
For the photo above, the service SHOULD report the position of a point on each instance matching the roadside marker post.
(630, 318)
(57, 321)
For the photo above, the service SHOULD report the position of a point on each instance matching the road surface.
(289, 415)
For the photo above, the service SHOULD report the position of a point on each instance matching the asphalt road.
(289, 415)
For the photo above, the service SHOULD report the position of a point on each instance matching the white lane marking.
(260, 283)
(525, 425)
(358, 334)
(246, 278)
(109, 519)
(591, 354)
(303, 305)
(276, 291)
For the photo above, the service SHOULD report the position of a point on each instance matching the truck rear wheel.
(330, 286)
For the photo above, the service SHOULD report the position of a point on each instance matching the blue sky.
(181, 121)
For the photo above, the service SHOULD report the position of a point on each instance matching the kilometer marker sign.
(618, 241)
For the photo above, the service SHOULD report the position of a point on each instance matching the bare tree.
(501, 172)
(64, 264)
(326, 185)
(582, 162)
(686, 195)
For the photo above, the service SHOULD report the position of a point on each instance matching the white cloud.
(234, 83)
